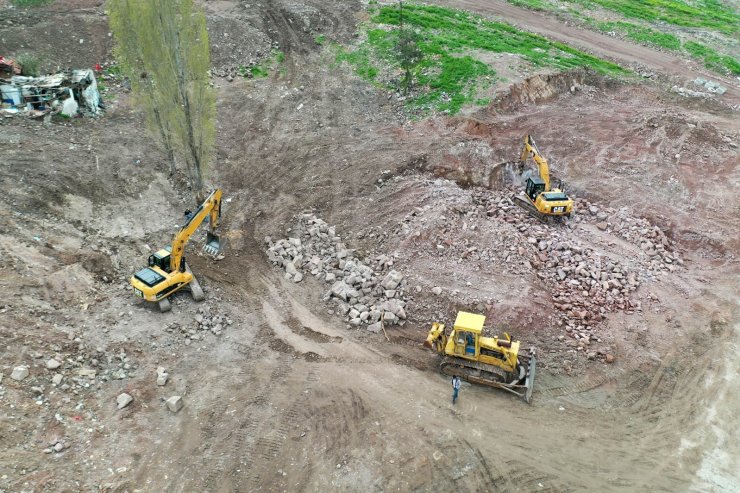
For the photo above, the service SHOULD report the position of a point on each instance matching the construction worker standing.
(455, 387)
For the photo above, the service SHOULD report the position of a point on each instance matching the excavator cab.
(161, 259)
(535, 186)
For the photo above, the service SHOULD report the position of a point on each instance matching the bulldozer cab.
(535, 186)
(466, 335)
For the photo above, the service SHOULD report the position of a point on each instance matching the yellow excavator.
(167, 271)
(492, 361)
(539, 199)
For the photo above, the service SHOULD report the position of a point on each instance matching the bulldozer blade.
(213, 245)
(529, 383)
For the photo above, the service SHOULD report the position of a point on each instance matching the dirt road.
(625, 53)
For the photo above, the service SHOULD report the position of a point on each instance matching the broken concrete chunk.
(376, 327)
(123, 400)
(162, 376)
(19, 373)
(392, 280)
(174, 403)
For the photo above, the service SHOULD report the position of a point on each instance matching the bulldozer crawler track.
(492, 376)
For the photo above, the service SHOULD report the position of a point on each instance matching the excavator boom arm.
(210, 208)
(530, 149)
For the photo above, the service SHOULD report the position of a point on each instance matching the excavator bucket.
(213, 245)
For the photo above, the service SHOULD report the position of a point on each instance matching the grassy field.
(658, 22)
(452, 41)
(30, 3)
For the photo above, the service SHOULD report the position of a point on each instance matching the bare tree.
(162, 45)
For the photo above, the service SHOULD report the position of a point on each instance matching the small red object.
(98, 68)
(77, 418)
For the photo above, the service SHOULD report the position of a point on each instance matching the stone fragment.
(57, 379)
(602, 225)
(376, 327)
(19, 373)
(392, 280)
(53, 364)
(123, 400)
(437, 290)
(162, 376)
(174, 403)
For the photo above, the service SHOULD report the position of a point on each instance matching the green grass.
(30, 3)
(709, 57)
(30, 64)
(713, 60)
(706, 14)
(450, 73)
(262, 69)
(642, 34)
(532, 4)
(320, 39)
(709, 14)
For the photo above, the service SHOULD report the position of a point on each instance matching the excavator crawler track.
(527, 205)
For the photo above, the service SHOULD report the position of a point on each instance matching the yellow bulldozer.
(539, 199)
(493, 361)
(167, 272)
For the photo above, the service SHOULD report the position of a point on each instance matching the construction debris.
(9, 67)
(124, 400)
(174, 403)
(68, 93)
(362, 296)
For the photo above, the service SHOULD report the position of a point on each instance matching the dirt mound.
(537, 89)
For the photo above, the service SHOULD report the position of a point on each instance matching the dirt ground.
(280, 393)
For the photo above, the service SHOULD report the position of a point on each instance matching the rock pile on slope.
(364, 295)
(590, 264)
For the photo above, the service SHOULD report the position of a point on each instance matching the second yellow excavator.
(167, 271)
(539, 199)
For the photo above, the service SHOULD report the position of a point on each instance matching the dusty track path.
(598, 44)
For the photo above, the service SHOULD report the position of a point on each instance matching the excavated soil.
(280, 393)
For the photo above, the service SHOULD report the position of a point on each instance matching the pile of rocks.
(206, 320)
(364, 295)
(591, 264)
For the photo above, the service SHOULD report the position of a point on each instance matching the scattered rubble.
(205, 321)
(361, 295)
(588, 266)
(68, 93)
(710, 86)
(19, 373)
(123, 400)
(162, 376)
(174, 403)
